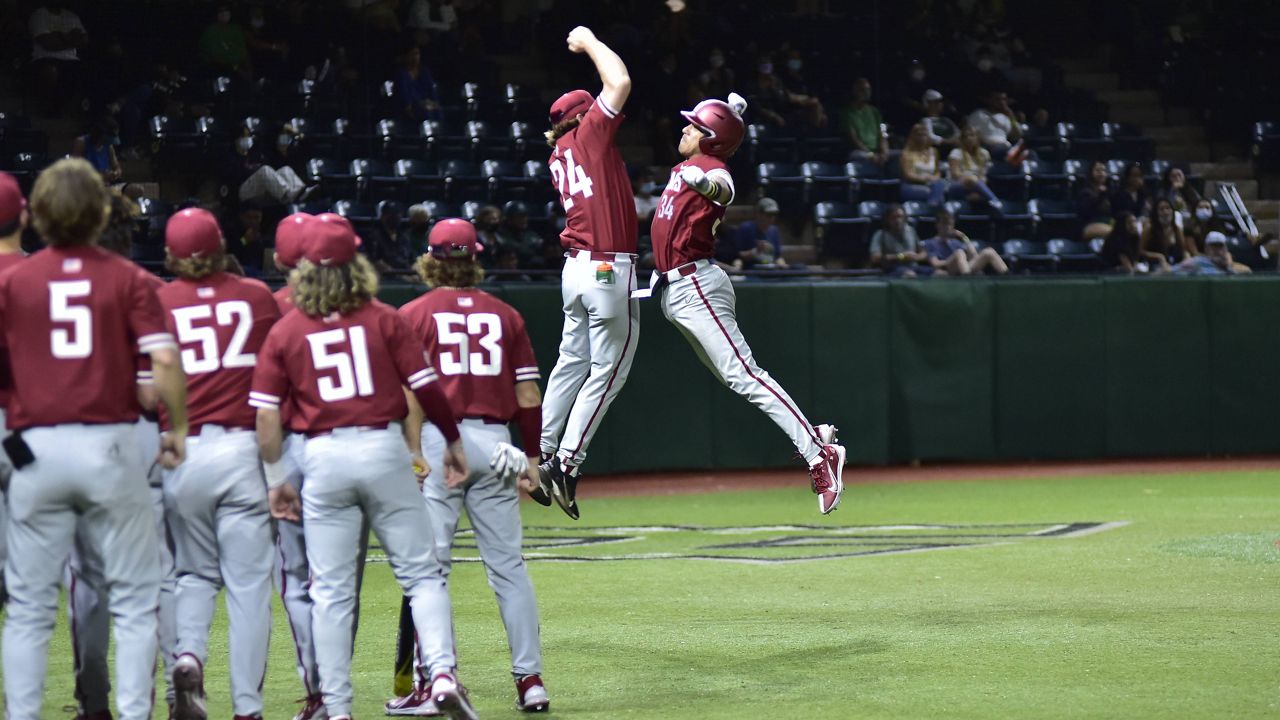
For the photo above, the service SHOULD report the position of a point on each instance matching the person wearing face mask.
(718, 79)
(793, 73)
(780, 107)
(487, 220)
(223, 46)
(268, 52)
(642, 188)
(259, 182)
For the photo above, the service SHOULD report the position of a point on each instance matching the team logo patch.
(204, 292)
(72, 265)
(465, 302)
(765, 544)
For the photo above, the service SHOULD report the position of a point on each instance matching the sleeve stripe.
(424, 373)
(423, 382)
(604, 106)
(528, 376)
(264, 397)
(156, 341)
(733, 192)
(263, 404)
(530, 368)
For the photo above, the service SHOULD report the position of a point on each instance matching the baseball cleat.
(827, 433)
(188, 685)
(312, 709)
(564, 486)
(416, 704)
(542, 493)
(827, 477)
(531, 695)
(449, 695)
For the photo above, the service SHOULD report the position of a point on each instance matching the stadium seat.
(1265, 144)
(1027, 256)
(1044, 142)
(440, 209)
(876, 182)
(873, 209)
(784, 183)
(1054, 218)
(1008, 182)
(1130, 144)
(829, 182)
(528, 142)
(1014, 220)
(334, 177)
(470, 209)
(25, 167)
(400, 139)
(506, 181)
(841, 232)
(464, 180)
(357, 211)
(523, 105)
(1073, 256)
(824, 147)
(377, 179)
(766, 144)
(1087, 141)
(1048, 179)
(153, 214)
(972, 219)
(441, 144)
(540, 191)
(472, 100)
(921, 215)
(484, 144)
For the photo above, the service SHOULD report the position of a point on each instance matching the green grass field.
(1174, 615)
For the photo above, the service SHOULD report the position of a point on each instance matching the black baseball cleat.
(564, 486)
(542, 493)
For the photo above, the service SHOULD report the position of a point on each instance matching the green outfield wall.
(954, 370)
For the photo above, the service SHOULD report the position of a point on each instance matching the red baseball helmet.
(722, 124)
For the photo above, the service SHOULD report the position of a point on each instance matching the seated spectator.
(387, 246)
(1093, 203)
(268, 52)
(1216, 259)
(921, 175)
(98, 148)
(245, 239)
(57, 36)
(968, 166)
(507, 259)
(895, 247)
(1162, 234)
(942, 129)
(488, 218)
(258, 182)
(121, 227)
(1199, 225)
(758, 240)
(1179, 192)
(996, 123)
(419, 229)
(862, 124)
(1131, 197)
(778, 106)
(953, 252)
(514, 233)
(1122, 251)
(909, 93)
(552, 260)
(289, 151)
(416, 90)
(223, 46)
(717, 80)
(643, 185)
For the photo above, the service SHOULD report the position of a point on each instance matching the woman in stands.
(921, 176)
(968, 164)
(1131, 196)
(1122, 251)
(1175, 188)
(1163, 236)
(1093, 203)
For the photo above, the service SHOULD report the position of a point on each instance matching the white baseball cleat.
(531, 694)
(827, 433)
(827, 477)
(451, 698)
(188, 685)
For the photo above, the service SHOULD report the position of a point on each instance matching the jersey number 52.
(576, 177)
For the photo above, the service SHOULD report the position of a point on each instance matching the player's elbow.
(527, 394)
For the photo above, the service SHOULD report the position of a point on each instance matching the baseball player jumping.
(342, 359)
(698, 297)
(601, 322)
(482, 353)
(74, 318)
(216, 501)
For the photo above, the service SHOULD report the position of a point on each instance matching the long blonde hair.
(319, 290)
(194, 268)
(459, 273)
(560, 129)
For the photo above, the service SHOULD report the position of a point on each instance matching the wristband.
(529, 421)
(275, 473)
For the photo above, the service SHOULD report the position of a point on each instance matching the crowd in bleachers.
(395, 114)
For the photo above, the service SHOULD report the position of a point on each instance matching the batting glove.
(508, 461)
(695, 178)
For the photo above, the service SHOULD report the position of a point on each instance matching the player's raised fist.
(694, 177)
(579, 38)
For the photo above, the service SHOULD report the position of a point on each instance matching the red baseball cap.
(291, 238)
(453, 238)
(11, 200)
(193, 232)
(570, 104)
(330, 243)
(336, 218)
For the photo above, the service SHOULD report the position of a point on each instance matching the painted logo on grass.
(764, 543)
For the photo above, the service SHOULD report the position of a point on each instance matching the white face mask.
(243, 144)
(984, 65)
(284, 140)
(795, 64)
(647, 188)
(1203, 214)
(917, 74)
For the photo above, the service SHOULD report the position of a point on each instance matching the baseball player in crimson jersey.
(343, 358)
(698, 297)
(13, 221)
(74, 318)
(479, 347)
(601, 322)
(216, 500)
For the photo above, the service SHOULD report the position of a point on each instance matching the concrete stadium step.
(804, 254)
(1248, 188)
(1141, 114)
(1184, 152)
(1175, 134)
(1222, 170)
(1095, 81)
(1268, 210)
(1129, 97)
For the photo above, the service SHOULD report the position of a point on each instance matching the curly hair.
(117, 236)
(560, 129)
(320, 290)
(457, 273)
(194, 268)
(69, 203)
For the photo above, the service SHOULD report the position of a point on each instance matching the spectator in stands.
(488, 219)
(386, 245)
(432, 21)
(953, 252)
(416, 90)
(552, 260)
(1216, 259)
(268, 52)
(1200, 224)
(245, 239)
(507, 259)
(758, 240)
(942, 129)
(1093, 203)
(1131, 197)
(57, 36)
(910, 92)
(862, 124)
(288, 151)
(1179, 192)
(996, 123)
(419, 229)
(117, 236)
(1163, 235)
(260, 183)
(1122, 251)
(780, 107)
(895, 247)
(643, 186)
(514, 233)
(921, 175)
(98, 148)
(717, 80)
(224, 47)
(968, 166)
(792, 74)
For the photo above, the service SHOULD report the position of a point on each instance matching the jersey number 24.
(572, 174)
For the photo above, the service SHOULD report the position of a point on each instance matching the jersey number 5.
(203, 358)
(352, 367)
(76, 342)
(578, 182)
(456, 329)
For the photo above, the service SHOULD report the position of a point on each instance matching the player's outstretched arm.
(613, 72)
(171, 384)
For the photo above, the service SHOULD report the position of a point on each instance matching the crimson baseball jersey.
(684, 224)
(74, 319)
(588, 172)
(479, 347)
(220, 323)
(284, 299)
(7, 260)
(142, 361)
(341, 370)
